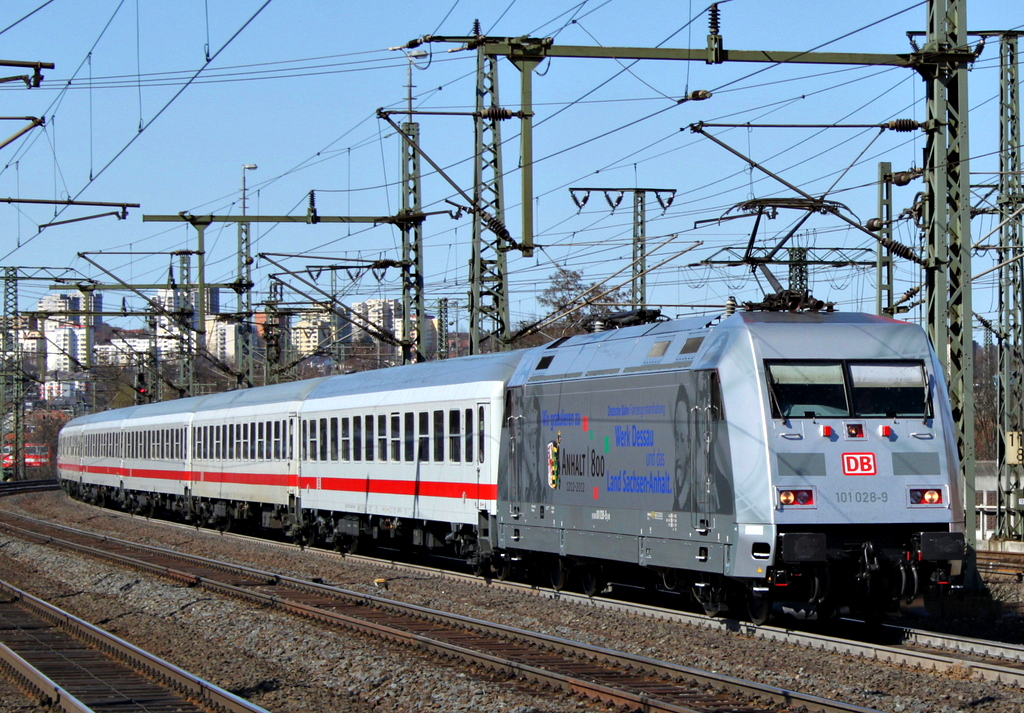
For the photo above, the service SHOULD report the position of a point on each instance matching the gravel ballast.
(286, 664)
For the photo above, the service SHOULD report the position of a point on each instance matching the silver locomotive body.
(798, 457)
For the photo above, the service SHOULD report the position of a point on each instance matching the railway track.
(892, 643)
(1003, 564)
(598, 673)
(17, 487)
(73, 666)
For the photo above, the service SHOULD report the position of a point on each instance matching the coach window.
(334, 438)
(410, 436)
(480, 434)
(260, 450)
(469, 435)
(288, 427)
(396, 438)
(346, 440)
(382, 438)
(454, 436)
(304, 440)
(229, 432)
(438, 436)
(323, 439)
(369, 437)
(424, 454)
(357, 438)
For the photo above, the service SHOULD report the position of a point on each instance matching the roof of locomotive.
(688, 343)
(848, 334)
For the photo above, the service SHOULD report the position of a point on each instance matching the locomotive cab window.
(838, 389)
(807, 389)
(889, 390)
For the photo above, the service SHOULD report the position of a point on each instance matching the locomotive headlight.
(787, 497)
(925, 496)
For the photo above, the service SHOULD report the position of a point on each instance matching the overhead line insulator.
(903, 125)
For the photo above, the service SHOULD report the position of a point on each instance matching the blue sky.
(294, 87)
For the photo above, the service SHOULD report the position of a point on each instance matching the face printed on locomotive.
(682, 426)
(535, 454)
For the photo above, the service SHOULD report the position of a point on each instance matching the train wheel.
(711, 597)
(594, 581)
(304, 537)
(559, 573)
(759, 608)
(503, 568)
(351, 545)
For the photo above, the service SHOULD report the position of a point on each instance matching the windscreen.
(840, 389)
(889, 390)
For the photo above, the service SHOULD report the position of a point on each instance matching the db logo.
(859, 464)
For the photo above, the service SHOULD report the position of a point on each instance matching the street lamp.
(246, 167)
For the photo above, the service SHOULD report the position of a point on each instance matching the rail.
(602, 674)
(60, 686)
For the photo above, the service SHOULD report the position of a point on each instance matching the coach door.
(513, 432)
(705, 413)
(290, 454)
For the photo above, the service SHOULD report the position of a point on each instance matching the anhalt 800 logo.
(859, 464)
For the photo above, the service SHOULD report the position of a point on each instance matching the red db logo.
(859, 464)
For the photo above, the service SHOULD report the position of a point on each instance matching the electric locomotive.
(806, 459)
(800, 459)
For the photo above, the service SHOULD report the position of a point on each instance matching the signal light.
(826, 431)
(885, 431)
(925, 496)
(796, 497)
